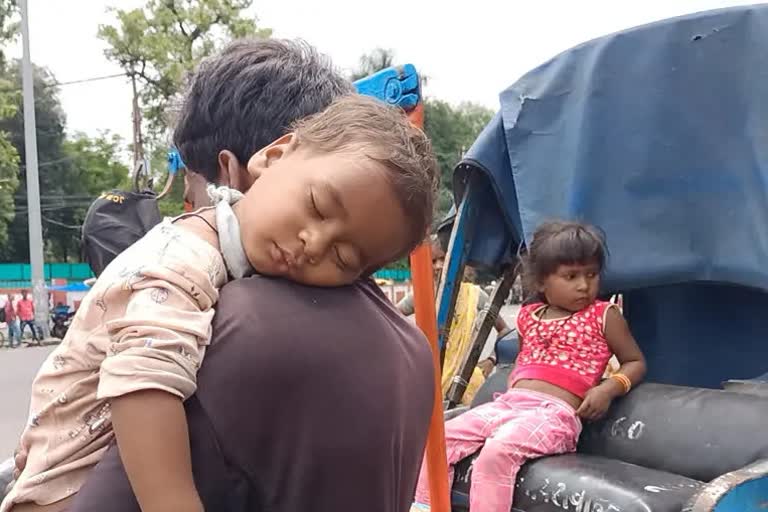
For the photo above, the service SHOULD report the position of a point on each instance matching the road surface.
(18, 367)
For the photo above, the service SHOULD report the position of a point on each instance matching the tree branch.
(198, 30)
(171, 5)
(131, 64)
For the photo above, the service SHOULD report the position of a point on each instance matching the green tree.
(72, 173)
(52, 162)
(9, 95)
(9, 166)
(161, 42)
(9, 10)
(95, 164)
(452, 130)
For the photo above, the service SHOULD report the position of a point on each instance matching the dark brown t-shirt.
(309, 399)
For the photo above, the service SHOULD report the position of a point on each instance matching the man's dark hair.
(249, 95)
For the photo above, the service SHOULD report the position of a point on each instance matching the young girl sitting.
(567, 337)
(349, 190)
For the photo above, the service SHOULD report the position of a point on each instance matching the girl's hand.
(596, 403)
(624, 346)
(486, 366)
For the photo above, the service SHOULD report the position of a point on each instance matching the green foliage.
(94, 164)
(72, 173)
(452, 131)
(163, 41)
(9, 183)
(50, 136)
(9, 98)
(9, 25)
(158, 45)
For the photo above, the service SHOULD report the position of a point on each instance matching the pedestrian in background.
(25, 310)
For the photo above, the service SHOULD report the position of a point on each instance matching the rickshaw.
(659, 135)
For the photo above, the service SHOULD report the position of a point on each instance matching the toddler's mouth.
(283, 257)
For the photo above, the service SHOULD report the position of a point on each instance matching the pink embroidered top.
(569, 352)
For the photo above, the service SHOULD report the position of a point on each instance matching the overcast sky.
(470, 50)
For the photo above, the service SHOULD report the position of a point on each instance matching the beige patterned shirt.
(144, 325)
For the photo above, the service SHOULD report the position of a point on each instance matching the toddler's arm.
(157, 347)
(151, 431)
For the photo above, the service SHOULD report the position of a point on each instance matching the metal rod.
(138, 140)
(424, 307)
(485, 321)
(422, 274)
(39, 292)
(453, 268)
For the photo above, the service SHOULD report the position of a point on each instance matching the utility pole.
(141, 169)
(138, 140)
(39, 292)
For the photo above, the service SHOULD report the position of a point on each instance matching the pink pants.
(517, 426)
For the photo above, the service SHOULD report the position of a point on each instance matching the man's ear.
(267, 156)
(232, 173)
(229, 168)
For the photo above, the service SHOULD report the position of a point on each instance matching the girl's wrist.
(613, 387)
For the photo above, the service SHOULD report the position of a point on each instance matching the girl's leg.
(536, 427)
(463, 436)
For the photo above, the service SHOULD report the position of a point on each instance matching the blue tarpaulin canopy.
(659, 135)
(70, 287)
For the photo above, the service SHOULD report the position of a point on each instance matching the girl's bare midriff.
(549, 389)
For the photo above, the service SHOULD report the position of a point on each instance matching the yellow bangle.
(623, 380)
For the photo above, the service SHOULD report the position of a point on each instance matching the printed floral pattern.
(575, 343)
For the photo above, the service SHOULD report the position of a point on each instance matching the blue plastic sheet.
(659, 135)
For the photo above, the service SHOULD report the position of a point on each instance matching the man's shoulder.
(259, 295)
(335, 372)
(279, 312)
(271, 334)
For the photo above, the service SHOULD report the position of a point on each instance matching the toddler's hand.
(596, 403)
(20, 462)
